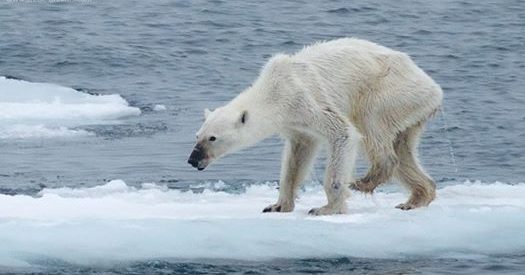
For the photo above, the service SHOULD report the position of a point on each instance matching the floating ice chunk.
(51, 109)
(115, 222)
(159, 107)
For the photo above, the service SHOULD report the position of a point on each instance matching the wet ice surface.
(131, 82)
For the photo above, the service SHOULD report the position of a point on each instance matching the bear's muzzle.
(197, 157)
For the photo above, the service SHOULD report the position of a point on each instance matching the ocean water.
(100, 102)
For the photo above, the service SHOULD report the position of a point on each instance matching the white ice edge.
(115, 222)
(21, 131)
(40, 110)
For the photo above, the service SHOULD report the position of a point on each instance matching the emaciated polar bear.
(343, 93)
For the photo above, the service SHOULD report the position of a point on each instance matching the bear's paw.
(363, 186)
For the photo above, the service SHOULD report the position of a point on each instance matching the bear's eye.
(244, 116)
(213, 138)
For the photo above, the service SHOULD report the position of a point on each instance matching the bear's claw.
(272, 208)
(325, 210)
(405, 206)
(279, 207)
(313, 211)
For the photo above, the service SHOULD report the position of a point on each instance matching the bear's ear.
(207, 112)
(244, 117)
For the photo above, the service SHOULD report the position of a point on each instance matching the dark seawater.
(505, 264)
(189, 55)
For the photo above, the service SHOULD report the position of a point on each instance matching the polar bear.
(344, 94)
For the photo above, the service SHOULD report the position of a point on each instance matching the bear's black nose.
(193, 162)
(196, 156)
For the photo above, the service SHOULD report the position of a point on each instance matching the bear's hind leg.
(298, 155)
(383, 162)
(410, 172)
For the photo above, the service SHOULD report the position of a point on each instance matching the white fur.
(337, 93)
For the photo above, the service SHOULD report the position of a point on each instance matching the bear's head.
(224, 130)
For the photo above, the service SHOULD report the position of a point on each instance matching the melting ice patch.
(29, 109)
(116, 222)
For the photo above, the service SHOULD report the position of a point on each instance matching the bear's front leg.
(339, 172)
(336, 194)
(298, 155)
